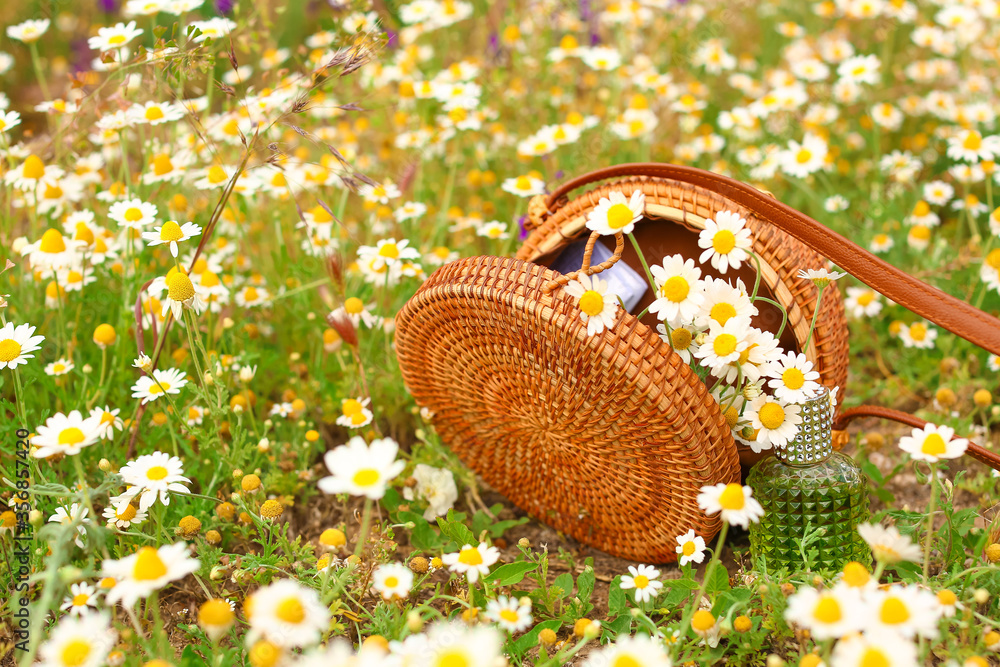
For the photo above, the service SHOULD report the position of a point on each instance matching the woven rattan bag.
(609, 437)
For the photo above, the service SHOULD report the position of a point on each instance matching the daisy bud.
(945, 397)
(218, 573)
(982, 398)
(376, 641)
(751, 391)
(208, 378)
(993, 553)
(70, 574)
(419, 564)
(215, 617)
(775, 660)
(188, 527)
(105, 335)
(247, 373)
(271, 510)
(981, 596)
(263, 445)
(524, 543)
(413, 622)
(547, 637)
(593, 630)
(213, 537)
(116, 658)
(225, 511)
(227, 323)
(143, 363)
(36, 518)
(342, 324)
(742, 624)
(219, 372)
(250, 483)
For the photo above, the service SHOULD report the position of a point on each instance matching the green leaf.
(457, 531)
(585, 582)
(621, 625)
(422, 536)
(719, 581)
(190, 658)
(564, 582)
(530, 639)
(617, 600)
(511, 573)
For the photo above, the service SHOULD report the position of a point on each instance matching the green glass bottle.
(804, 486)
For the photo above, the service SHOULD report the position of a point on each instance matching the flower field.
(213, 212)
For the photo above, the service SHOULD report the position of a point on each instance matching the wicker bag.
(609, 437)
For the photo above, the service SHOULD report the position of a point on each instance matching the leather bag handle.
(929, 302)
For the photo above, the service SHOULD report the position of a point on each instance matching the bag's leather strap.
(929, 302)
(975, 451)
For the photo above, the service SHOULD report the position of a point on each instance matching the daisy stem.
(812, 325)
(37, 64)
(366, 520)
(930, 521)
(19, 397)
(645, 266)
(709, 571)
(192, 324)
(756, 282)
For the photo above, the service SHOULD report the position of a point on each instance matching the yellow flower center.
(721, 312)
(619, 215)
(732, 416)
(894, 612)
(75, 652)
(522, 183)
(771, 416)
(592, 303)
(389, 250)
(732, 498)
(856, 575)
(80, 599)
(920, 232)
(291, 610)
(828, 610)
(723, 241)
(354, 306)
(391, 582)
(157, 473)
(216, 175)
(973, 141)
(918, 331)
(366, 477)
(874, 657)
(703, 621)
(921, 209)
(453, 657)
(9, 350)
(934, 445)
(688, 548)
(159, 387)
(162, 164)
(133, 214)
(115, 40)
(71, 436)
(171, 231)
(724, 344)
(681, 338)
(470, 556)
(264, 654)
(148, 565)
(52, 242)
(52, 191)
(180, 288)
(34, 168)
(993, 259)
(866, 298)
(641, 581)
(351, 406)
(803, 155)
(209, 279)
(793, 378)
(946, 597)
(509, 615)
(626, 660)
(675, 289)
(154, 113)
(126, 513)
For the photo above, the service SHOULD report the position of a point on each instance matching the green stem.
(709, 571)
(812, 325)
(930, 521)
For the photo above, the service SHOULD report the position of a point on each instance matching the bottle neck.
(814, 441)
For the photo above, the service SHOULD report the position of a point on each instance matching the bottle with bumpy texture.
(807, 486)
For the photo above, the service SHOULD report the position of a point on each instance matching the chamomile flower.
(213, 28)
(615, 214)
(726, 241)
(9, 120)
(679, 290)
(724, 343)
(735, 502)
(53, 251)
(122, 514)
(509, 613)
(860, 69)
(828, 614)
(172, 233)
(884, 648)
(361, 469)
(66, 434)
(82, 599)
(598, 306)
(75, 513)
(16, 344)
(182, 295)
(29, 31)
(634, 650)
(682, 339)
(387, 252)
(862, 302)
(392, 581)
(919, 335)
(251, 296)
(381, 194)
(690, 548)
(146, 571)
(355, 412)
(888, 545)
(153, 475)
(644, 580)
(801, 159)
(133, 213)
(793, 378)
(523, 186)
(472, 561)
(169, 381)
(287, 614)
(83, 640)
(60, 366)
(820, 277)
(115, 37)
(933, 443)
(993, 363)
(494, 230)
(907, 611)
(881, 244)
(776, 422)
(971, 146)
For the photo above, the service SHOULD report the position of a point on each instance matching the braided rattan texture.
(607, 438)
(786, 255)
